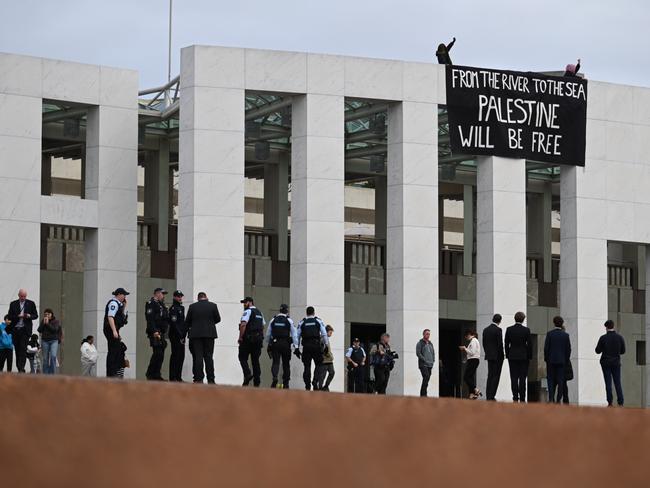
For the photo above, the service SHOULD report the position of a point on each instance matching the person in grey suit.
(200, 322)
(493, 347)
(557, 353)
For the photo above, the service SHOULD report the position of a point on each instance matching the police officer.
(251, 340)
(279, 337)
(115, 317)
(157, 317)
(356, 359)
(177, 333)
(312, 331)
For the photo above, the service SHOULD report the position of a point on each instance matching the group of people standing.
(40, 349)
(517, 349)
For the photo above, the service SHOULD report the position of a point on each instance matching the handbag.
(568, 375)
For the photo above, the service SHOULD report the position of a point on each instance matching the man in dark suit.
(493, 347)
(519, 352)
(557, 354)
(201, 320)
(611, 346)
(21, 312)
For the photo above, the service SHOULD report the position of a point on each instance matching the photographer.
(382, 360)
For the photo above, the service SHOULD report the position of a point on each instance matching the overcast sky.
(610, 36)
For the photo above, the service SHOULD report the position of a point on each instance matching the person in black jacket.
(571, 70)
(21, 313)
(557, 354)
(157, 317)
(519, 352)
(202, 318)
(443, 52)
(610, 346)
(177, 335)
(493, 346)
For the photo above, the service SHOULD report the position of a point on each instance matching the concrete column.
(211, 195)
(468, 229)
(380, 209)
(411, 251)
(111, 249)
(583, 284)
(156, 189)
(501, 250)
(317, 213)
(20, 197)
(276, 204)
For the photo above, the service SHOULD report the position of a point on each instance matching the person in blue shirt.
(280, 335)
(6, 345)
(312, 333)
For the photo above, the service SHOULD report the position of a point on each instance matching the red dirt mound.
(58, 432)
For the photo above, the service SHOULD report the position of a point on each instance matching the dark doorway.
(450, 337)
(369, 334)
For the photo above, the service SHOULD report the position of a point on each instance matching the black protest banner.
(517, 115)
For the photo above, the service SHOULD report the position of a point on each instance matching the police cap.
(284, 308)
(120, 291)
(161, 290)
(178, 293)
(247, 299)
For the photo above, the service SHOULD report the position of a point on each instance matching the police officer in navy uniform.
(311, 330)
(177, 334)
(356, 359)
(157, 317)
(251, 340)
(115, 317)
(279, 337)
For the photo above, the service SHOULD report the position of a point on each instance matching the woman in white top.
(88, 357)
(473, 353)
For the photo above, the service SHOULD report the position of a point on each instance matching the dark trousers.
(610, 373)
(426, 376)
(356, 380)
(494, 375)
(176, 359)
(382, 375)
(202, 349)
(324, 370)
(518, 375)
(114, 356)
(6, 355)
(254, 350)
(565, 392)
(281, 351)
(157, 357)
(20, 339)
(470, 374)
(555, 380)
(311, 352)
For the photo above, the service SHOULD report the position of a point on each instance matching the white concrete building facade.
(607, 201)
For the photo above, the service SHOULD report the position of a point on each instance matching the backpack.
(6, 341)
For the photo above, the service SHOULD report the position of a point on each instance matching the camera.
(393, 354)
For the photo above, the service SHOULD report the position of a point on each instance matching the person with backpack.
(382, 359)
(326, 368)
(280, 335)
(251, 339)
(33, 354)
(313, 335)
(6, 345)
